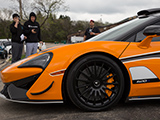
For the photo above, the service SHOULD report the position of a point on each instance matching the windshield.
(113, 33)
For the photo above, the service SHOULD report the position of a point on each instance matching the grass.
(23, 56)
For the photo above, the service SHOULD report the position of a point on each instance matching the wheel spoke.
(92, 67)
(100, 96)
(109, 89)
(100, 70)
(105, 94)
(113, 83)
(106, 72)
(89, 71)
(82, 86)
(90, 94)
(95, 96)
(85, 91)
(78, 79)
(86, 76)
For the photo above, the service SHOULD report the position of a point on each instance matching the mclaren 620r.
(119, 64)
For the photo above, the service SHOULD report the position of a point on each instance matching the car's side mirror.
(151, 32)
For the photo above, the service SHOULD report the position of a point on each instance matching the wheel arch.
(125, 73)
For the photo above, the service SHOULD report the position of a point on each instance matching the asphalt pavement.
(140, 110)
(1, 60)
(136, 110)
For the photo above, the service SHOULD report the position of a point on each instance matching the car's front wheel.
(95, 82)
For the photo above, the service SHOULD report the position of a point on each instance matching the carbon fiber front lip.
(30, 102)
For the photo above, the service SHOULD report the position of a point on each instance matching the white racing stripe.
(139, 55)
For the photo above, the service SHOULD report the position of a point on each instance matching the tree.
(5, 16)
(21, 7)
(46, 7)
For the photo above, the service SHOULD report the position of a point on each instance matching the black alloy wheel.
(95, 82)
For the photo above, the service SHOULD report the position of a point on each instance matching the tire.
(95, 83)
(10, 51)
(4, 55)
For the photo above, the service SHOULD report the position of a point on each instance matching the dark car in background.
(3, 51)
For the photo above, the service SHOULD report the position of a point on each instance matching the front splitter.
(30, 102)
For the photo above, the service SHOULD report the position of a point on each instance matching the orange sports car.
(119, 64)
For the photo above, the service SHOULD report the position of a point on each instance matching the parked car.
(118, 64)
(8, 46)
(3, 52)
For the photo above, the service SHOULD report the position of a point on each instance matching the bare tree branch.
(25, 14)
(48, 6)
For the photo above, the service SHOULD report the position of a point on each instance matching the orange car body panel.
(149, 89)
(67, 54)
(55, 93)
(12, 74)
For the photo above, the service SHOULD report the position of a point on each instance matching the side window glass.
(131, 39)
(140, 36)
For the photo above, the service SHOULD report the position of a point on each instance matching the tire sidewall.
(10, 51)
(70, 81)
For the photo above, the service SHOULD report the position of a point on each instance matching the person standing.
(17, 38)
(32, 31)
(91, 31)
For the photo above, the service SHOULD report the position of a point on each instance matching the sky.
(105, 10)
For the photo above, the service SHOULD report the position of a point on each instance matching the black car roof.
(146, 13)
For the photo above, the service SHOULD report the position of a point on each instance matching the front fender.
(65, 55)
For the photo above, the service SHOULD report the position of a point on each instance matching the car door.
(143, 67)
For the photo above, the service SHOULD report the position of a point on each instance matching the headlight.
(41, 61)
